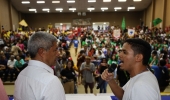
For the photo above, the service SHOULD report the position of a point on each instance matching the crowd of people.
(103, 50)
(14, 55)
(100, 50)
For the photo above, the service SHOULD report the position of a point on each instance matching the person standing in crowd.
(142, 85)
(68, 77)
(76, 42)
(103, 65)
(37, 80)
(3, 95)
(153, 59)
(80, 60)
(87, 69)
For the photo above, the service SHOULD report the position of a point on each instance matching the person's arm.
(91, 69)
(2, 66)
(118, 91)
(12, 50)
(19, 48)
(82, 68)
(3, 95)
(79, 56)
(22, 61)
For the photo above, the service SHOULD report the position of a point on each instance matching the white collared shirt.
(37, 82)
(11, 63)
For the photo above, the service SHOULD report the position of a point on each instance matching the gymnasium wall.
(36, 20)
(4, 14)
(9, 16)
(167, 13)
(158, 9)
(15, 18)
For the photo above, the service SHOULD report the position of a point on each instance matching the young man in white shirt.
(10, 65)
(143, 84)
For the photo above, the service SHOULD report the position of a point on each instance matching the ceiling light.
(45, 9)
(32, 9)
(61, 23)
(72, 8)
(104, 8)
(70, 1)
(48, 11)
(131, 7)
(90, 8)
(94, 23)
(104, 23)
(122, 0)
(91, 0)
(118, 8)
(137, 0)
(25, 2)
(59, 9)
(106, 0)
(40, 1)
(55, 1)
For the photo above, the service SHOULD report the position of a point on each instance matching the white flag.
(131, 32)
(116, 33)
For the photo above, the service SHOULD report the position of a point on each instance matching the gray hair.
(40, 40)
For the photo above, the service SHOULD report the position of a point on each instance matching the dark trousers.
(11, 71)
(90, 85)
(17, 72)
(103, 87)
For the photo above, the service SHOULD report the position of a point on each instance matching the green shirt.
(19, 64)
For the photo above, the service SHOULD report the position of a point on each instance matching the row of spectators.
(14, 55)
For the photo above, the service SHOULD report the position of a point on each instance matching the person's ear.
(41, 52)
(139, 57)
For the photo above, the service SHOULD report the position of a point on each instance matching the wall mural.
(81, 22)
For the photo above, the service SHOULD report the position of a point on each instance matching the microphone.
(110, 70)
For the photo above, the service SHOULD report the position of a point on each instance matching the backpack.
(164, 76)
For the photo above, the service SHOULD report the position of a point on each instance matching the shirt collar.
(37, 63)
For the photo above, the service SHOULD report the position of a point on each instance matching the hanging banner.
(131, 33)
(116, 33)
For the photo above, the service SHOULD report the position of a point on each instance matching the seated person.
(3, 67)
(162, 74)
(19, 65)
(10, 65)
